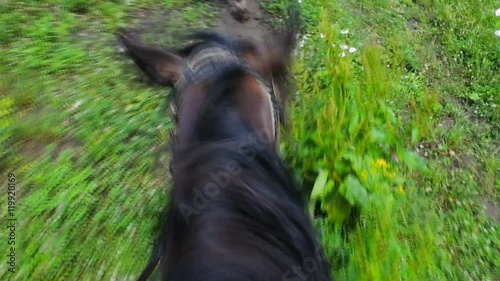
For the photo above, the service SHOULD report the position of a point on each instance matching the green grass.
(399, 138)
(83, 135)
(401, 93)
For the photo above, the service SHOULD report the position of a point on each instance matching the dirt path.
(255, 27)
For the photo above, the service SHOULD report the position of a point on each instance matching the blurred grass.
(83, 134)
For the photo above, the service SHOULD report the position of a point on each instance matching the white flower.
(322, 35)
(301, 44)
(344, 47)
(76, 105)
(352, 50)
(497, 12)
(342, 54)
(497, 33)
(344, 31)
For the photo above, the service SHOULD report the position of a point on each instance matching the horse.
(235, 212)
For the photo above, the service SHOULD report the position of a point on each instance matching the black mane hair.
(254, 227)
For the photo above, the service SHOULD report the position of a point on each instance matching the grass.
(83, 136)
(401, 156)
(410, 87)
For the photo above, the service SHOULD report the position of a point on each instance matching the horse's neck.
(205, 111)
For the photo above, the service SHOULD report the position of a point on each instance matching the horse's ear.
(270, 57)
(162, 66)
(280, 53)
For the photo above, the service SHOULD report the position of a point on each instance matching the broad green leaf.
(437, 107)
(474, 96)
(337, 209)
(377, 135)
(353, 123)
(353, 191)
(319, 185)
(414, 135)
(413, 160)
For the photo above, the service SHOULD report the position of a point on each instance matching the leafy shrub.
(346, 147)
(343, 128)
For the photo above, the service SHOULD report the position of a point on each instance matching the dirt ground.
(255, 27)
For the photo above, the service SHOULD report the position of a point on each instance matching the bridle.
(206, 61)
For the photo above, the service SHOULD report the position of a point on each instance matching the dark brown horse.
(235, 212)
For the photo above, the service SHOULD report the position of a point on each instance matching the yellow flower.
(400, 190)
(381, 163)
(364, 176)
(390, 175)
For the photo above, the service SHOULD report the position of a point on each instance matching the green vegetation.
(396, 135)
(84, 137)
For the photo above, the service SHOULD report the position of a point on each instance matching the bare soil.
(255, 27)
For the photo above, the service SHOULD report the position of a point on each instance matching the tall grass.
(347, 140)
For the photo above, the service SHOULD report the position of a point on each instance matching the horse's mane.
(256, 225)
(257, 219)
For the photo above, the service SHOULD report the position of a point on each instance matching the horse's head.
(217, 66)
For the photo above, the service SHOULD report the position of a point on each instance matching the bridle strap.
(205, 63)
